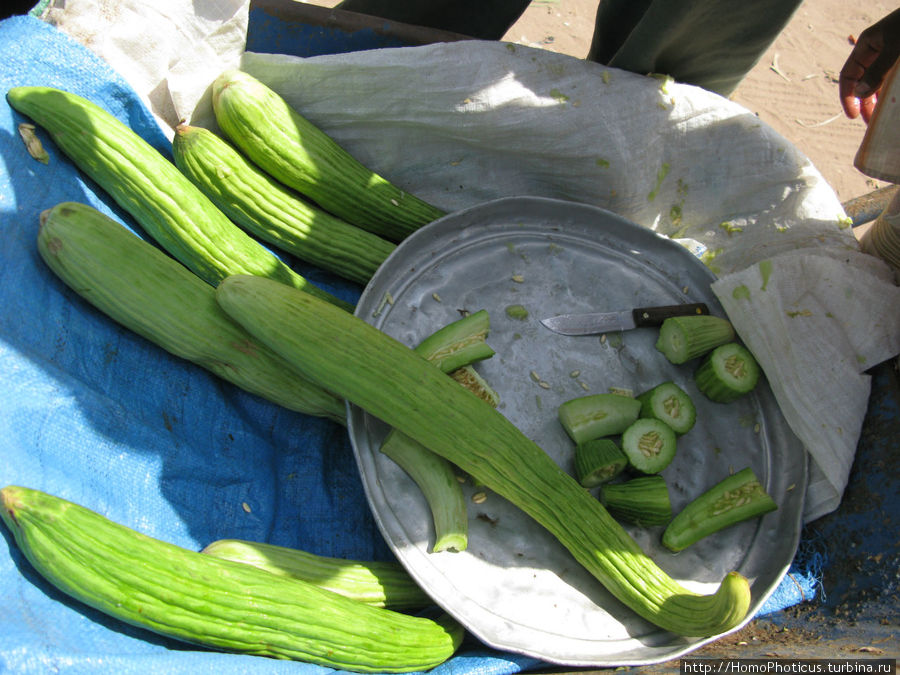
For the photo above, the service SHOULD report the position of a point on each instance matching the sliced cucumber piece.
(649, 444)
(682, 338)
(597, 461)
(671, 404)
(597, 415)
(642, 501)
(727, 373)
(733, 500)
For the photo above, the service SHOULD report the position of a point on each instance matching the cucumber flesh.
(671, 404)
(649, 445)
(682, 338)
(733, 500)
(597, 415)
(727, 373)
(642, 501)
(597, 461)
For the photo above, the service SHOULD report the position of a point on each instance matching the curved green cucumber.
(682, 338)
(378, 583)
(737, 498)
(459, 343)
(331, 346)
(671, 404)
(649, 444)
(295, 152)
(643, 501)
(597, 415)
(170, 208)
(727, 373)
(153, 295)
(597, 461)
(269, 210)
(201, 599)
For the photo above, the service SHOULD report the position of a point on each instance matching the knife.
(626, 319)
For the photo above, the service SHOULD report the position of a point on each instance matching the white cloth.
(462, 123)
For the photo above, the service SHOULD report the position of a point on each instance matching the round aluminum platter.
(515, 587)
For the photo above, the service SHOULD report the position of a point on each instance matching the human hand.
(875, 52)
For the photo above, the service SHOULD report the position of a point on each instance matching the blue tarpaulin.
(97, 415)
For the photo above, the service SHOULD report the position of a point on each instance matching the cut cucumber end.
(649, 445)
(671, 404)
(727, 373)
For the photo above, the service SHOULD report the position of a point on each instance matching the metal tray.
(515, 587)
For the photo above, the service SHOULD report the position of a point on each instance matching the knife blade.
(619, 320)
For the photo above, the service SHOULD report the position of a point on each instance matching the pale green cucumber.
(271, 211)
(642, 501)
(597, 461)
(390, 381)
(682, 338)
(597, 415)
(380, 583)
(671, 404)
(201, 599)
(143, 289)
(733, 500)
(452, 349)
(649, 444)
(170, 208)
(295, 152)
(727, 373)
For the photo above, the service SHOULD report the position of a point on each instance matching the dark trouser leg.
(484, 19)
(709, 43)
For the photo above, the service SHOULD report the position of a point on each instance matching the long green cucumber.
(386, 378)
(170, 208)
(201, 599)
(297, 153)
(382, 583)
(452, 349)
(140, 287)
(271, 211)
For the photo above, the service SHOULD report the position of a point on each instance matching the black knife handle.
(653, 316)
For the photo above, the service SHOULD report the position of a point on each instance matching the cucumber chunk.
(597, 415)
(649, 445)
(727, 373)
(671, 404)
(597, 461)
(642, 501)
(682, 338)
(733, 500)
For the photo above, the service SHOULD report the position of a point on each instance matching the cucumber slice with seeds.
(597, 415)
(649, 445)
(671, 404)
(733, 500)
(597, 461)
(727, 373)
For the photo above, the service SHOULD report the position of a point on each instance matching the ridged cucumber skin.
(354, 358)
(170, 208)
(643, 501)
(597, 415)
(734, 499)
(727, 373)
(380, 583)
(597, 461)
(201, 599)
(269, 210)
(297, 153)
(683, 338)
(155, 296)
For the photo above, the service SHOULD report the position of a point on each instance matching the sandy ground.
(793, 88)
